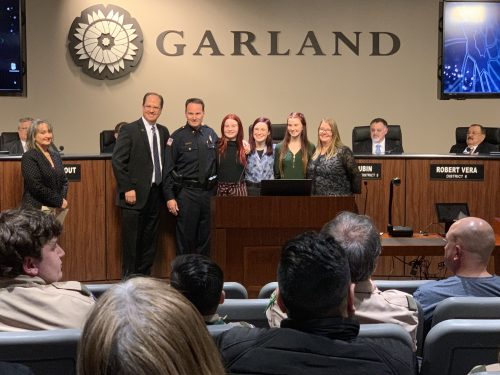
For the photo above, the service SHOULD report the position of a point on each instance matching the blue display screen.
(470, 49)
(12, 81)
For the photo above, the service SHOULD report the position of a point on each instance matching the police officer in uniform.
(190, 179)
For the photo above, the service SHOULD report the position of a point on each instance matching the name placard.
(370, 171)
(73, 172)
(457, 172)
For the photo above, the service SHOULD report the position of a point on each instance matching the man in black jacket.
(378, 144)
(476, 143)
(318, 337)
(137, 166)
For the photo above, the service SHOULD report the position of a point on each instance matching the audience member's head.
(23, 126)
(28, 245)
(313, 277)
(144, 326)
(361, 241)
(475, 135)
(200, 280)
(378, 129)
(469, 244)
(118, 127)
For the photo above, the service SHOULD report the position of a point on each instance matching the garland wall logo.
(105, 42)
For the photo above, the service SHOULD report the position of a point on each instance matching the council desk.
(91, 236)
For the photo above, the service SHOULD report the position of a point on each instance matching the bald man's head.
(475, 237)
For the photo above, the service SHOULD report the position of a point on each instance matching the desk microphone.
(396, 231)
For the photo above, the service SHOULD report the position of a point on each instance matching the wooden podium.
(248, 232)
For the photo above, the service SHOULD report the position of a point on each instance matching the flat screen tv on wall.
(12, 48)
(469, 49)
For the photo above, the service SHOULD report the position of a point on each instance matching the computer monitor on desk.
(286, 187)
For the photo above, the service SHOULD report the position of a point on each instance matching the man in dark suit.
(137, 164)
(476, 143)
(18, 147)
(378, 144)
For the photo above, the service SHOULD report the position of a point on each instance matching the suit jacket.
(483, 148)
(391, 147)
(133, 163)
(15, 148)
(43, 185)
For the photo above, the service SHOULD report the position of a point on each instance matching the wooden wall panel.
(11, 189)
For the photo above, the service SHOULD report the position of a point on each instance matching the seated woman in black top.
(231, 158)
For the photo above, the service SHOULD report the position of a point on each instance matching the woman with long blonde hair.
(332, 168)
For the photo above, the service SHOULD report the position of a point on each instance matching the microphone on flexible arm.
(366, 196)
(61, 149)
(396, 231)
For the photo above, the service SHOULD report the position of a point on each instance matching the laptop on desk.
(286, 187)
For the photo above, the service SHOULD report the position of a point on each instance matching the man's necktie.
(156, 157)
(468, 150)
(378, 150)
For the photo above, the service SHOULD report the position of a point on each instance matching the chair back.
(252, 311)
(268, 289)
(455, 346)
(492, 135)
(6, 138)
(234, 290)
(385, 330)
(467, 308)
(277, 132)
(45, 352)
(407, 286)
(98, 289)
(361, 134)
(107, 141)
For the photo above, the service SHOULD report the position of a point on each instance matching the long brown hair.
(304, 143)
(239, 139)
(269, 139)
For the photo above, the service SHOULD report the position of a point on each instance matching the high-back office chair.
(492, 136)
(361, 134)
(277, 132)
(455, 346)
(46, 352)
(6, 138)
(107, 141)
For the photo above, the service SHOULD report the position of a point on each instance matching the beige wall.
(352, 89)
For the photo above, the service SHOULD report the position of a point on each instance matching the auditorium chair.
(277, 132)
(361, 134)
(268, 289)
(407, 286)
(252, 311)
(385, 330)
(107, 141)
(98, 289)
(6, 138)
(234, 290)
(455, 346)
(466, 308)
(46, 352)
(492, 135)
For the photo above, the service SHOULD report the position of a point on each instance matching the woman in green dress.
(295, 151)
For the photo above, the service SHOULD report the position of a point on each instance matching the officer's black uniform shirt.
(182, 153)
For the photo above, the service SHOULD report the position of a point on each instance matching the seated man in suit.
(201, 281)
(19, 147)
(378, 144)
(476, 143)
(469, 244)
(361, 241)
(31, 296)
(319, 336)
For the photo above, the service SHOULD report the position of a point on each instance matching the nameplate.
(370, 171)
(457, 172)
(73, 172)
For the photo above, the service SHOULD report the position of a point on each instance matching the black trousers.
(193, 222)
(139, 235)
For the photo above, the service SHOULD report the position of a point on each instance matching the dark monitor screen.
(469, 49)
(285, 187)
(12, 48)
(449, 212)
